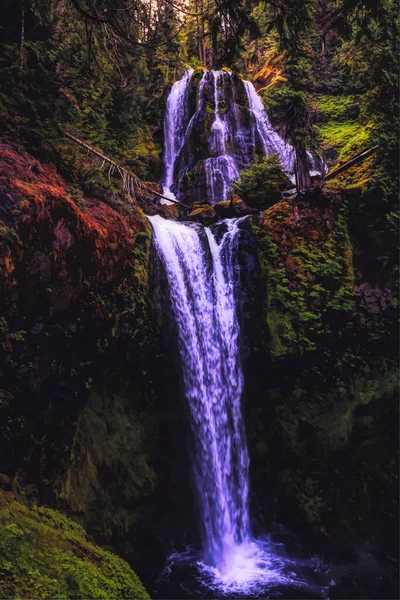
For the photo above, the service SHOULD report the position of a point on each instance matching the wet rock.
(172, 212)
(371, 299)
(5, 482)
(203, 212)
(234, 208)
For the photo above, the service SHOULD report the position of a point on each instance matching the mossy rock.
(233, 208)
(306, 257)
(172, 212)
(109, 469)
(203, 212)
(43, 554)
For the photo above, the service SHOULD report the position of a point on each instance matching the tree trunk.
(303, 179)
(22, 45)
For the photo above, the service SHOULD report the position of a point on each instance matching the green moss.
(337, 108)
(321, 427)
(43, 554)
(347, 138)
(314, 279)
(342, 134)
(8, 235)
(195, 79)
(109, 468)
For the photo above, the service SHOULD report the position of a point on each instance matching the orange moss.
(271, 73)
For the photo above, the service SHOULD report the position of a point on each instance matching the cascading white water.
(231, 145)
(271, 141)
(175, 124)
(202, 272)
(221, 172)
(221, 169)
(202, 296)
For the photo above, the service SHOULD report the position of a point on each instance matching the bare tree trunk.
(22, 44)
(303, 179)
(196, 8)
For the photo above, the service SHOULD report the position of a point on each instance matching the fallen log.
(350, 163)
(132, 183)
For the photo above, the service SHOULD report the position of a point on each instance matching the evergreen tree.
(293, 22)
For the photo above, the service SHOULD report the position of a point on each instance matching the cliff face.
(80, 377)
(322, 377)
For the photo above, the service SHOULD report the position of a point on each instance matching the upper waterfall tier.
(215, 125)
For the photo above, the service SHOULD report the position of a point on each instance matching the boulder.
(234, 208)
(203, 212)
(172, 212)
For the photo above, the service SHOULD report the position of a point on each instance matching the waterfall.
(271, 141)
(213, 135)
(221, 169)
(202, 273)
(208, 144)
(175, 124)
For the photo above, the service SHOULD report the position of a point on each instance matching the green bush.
(262, 183)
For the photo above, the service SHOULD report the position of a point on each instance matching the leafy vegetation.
(261, 184)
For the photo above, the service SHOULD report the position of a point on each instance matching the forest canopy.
(103, 68)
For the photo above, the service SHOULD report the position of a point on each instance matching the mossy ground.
(43, 554)
(342, 133)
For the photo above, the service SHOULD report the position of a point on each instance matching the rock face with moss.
(85, 419)
(45, 555)
(322, 376)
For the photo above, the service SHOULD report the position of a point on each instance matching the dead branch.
(131, 182)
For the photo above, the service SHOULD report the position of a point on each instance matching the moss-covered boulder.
(203, 213)
(43, 554)
(235, 207)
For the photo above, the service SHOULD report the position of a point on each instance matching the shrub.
(262, 183)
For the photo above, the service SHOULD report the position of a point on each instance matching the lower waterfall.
(202, 272)
(202, 296)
